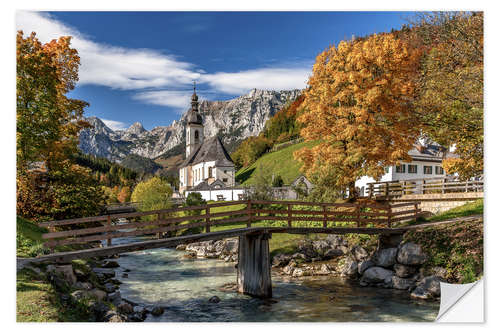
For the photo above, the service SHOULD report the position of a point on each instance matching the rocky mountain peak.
(136, 128)
(232, 120)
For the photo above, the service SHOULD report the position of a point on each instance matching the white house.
(207, 161)
(426, 162)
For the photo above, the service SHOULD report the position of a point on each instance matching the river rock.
(83, 285)
(125, 307)
(321, 246)
(98, 294)
(281, 260)
(66, 271)
(431, 284)
(99, 309)
(109, 287)
(359, 253)
(349, 268)
(385, 257)
(325, 269)
(124, 275)
(401, 283)
(333, 253)
(110, 264)
(80, 294)
(336, 241)
(80, 275)
(404, 271)
(214, 299)
(181, 247)
(232, 246)
(364, 265)
(300, 256)
(114, 317)
(307, 249)
(157, 311)
(411, 254)
(141, 311)
(375, 275)
(115, 298)
(104, 273)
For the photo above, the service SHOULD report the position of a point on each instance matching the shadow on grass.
(242, 177)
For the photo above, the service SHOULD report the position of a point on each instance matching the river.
(183, 286)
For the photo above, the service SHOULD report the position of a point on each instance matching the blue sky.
(139, 66)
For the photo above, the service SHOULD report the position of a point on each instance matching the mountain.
(233, 120)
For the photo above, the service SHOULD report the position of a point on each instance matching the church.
(207, 163)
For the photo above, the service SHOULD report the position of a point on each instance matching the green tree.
(278, 181)
(450, 101)
(152, 194)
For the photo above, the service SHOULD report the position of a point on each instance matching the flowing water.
(183, 286)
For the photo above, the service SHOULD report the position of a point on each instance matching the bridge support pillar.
(254, 268)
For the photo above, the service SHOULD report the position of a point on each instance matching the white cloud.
(177, 99)
(138, 69)
(114, 124)
(111, 66)
(261, 78)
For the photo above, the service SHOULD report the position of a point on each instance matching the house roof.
(430, 152)
(204, 186)
(210, 150)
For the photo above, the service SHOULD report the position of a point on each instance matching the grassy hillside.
(278, 163)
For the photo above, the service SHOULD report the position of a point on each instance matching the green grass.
(471, 208)
(37, 301)
(279, 163)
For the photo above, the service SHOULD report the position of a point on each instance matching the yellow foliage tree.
(359, 104)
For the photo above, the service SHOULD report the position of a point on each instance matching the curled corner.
(453, 296)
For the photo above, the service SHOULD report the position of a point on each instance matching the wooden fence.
(423, 186)
(196, 219)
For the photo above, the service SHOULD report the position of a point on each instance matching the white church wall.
(227, 194)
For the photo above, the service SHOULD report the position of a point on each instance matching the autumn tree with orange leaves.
(359, 105)
(48, 124)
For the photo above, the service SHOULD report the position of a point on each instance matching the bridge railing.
(423, 186)
(196, 219)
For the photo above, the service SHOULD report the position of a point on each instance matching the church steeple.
(194, 128)
(194, 98)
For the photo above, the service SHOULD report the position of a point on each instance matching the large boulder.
(431, 284)
(385, 257)
(401, 283)
(336, 241)
(321, 246)
(125, 307)
(307, 248)
(411, 254)
(404, 271)
(333, 253)
(349, 268)
(375, 275)
(359, 253)
(364, 265)
(281, 260)
(232, 246)
(98, 294)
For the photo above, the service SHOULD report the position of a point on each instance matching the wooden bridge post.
(358, 215)
(370, 190)
(290, 215)
(389, 216)
(207, 219)
(254, 268)
(249, 209)
(324, 217)
(416, 211)
(108, 224)
(386, 189)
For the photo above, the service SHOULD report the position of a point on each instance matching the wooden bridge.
(253, 223)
